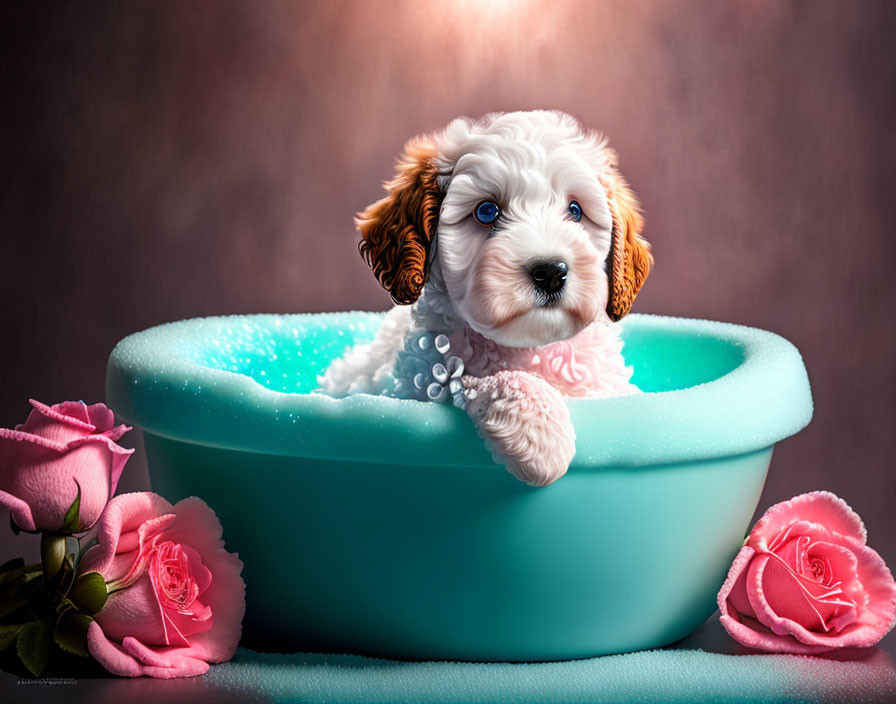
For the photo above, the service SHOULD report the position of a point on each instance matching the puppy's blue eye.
(575, 210)
(486, 212)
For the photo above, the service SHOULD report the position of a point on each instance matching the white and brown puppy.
(510, 244)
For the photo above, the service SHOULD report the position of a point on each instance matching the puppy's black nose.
(549, 277)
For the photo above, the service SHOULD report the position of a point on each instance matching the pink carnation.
(176, 598)
(805, 581)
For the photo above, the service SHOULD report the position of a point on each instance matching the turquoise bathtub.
(381, 526)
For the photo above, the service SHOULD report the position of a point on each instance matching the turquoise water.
(287, 358)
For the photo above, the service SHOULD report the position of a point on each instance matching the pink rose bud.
(176, 599)
(59, 449)
(805, 581)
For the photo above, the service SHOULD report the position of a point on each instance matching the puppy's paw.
(525, 422)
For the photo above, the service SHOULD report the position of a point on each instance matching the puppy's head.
(526, 219)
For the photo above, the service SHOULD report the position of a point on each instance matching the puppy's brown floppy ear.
(397, 231)
(629, 260)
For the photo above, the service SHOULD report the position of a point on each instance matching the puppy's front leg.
(525, 422)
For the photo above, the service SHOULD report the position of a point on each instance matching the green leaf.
(8, 633)
(15, 595)
(89, 592)
(70, 522)
(13, 564)
(33, 646)
(52, 553)
(17, 573)
(71, 633)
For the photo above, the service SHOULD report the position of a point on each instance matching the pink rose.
(58, 449)
(176, 599)
(806, 582)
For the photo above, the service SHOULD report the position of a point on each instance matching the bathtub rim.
(145, 387)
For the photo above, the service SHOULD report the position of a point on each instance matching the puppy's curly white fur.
(511, 245)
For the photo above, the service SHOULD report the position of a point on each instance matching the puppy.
(511, 245)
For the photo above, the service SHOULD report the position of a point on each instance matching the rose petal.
(135, 611)
(154, 527)
(201, 574)
(189, 624)
(20, 436)
(132, 658)
(114, 434)
(125, 513)
(138, 545)
(843, 565)
(76, 410)
(734, 590)
(114, 570)
(754, 635)
(872, 623)
(119, 455)
(793, 539)
(111, 655)
(227, 593)
(821, 507)
(738, 616)
(197, 525)
(164, 659)
(60, 423)
(784, 603)
(784, 588)
(878, 616)
(21, 511)
(101, 417)
(791, 551)
(16, 449)
(136, 538)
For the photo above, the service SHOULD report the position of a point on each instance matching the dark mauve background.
(168, 160)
